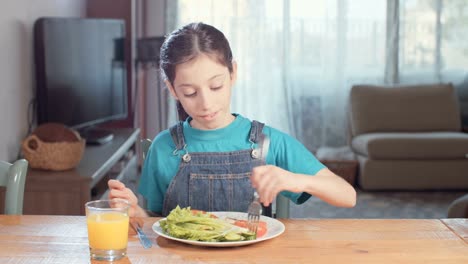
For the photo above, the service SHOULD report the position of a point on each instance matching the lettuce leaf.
(182, 223)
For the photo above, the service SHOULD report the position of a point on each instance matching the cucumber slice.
(233, 237)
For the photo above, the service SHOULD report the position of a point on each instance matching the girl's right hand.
(118, 190)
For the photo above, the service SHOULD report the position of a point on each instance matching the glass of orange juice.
(107, 228)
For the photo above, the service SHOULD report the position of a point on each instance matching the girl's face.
(203, 87)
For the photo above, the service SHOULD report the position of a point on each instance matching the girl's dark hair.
(186, 43)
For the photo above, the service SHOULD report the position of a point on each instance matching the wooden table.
(63, 239)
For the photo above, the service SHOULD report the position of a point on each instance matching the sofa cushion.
(402, 146)
(422, 108)
(413, 175)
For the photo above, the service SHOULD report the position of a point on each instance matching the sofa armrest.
(459, 208)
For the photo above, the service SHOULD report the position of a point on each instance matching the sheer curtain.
(298, 59)
(433, 45)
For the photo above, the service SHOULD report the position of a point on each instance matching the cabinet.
(66, 192)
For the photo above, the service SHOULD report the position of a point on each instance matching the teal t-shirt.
(161, 165)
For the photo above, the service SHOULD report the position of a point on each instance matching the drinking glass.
(107, 228)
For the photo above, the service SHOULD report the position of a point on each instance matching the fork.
(255, 208)
(253, 214)
(144, 240)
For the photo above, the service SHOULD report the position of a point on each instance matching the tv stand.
(96, 136)
(66, 192)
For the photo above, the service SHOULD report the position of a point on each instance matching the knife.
(144, 240)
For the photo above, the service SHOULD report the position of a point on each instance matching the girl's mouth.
(209, 116)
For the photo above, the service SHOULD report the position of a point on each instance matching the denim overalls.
(214, 181)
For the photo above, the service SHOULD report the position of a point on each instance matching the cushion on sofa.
(412, 174)
(404, 146)
(404, 109)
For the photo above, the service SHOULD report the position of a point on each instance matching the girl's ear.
(234, 73)
(171, 89)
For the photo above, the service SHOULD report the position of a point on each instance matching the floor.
(419, 204)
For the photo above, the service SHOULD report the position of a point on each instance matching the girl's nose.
(205, 100)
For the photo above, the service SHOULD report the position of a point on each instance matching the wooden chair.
(13, 177)
(282, 203)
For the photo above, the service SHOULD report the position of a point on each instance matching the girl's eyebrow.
(191, 85)
(217, 75)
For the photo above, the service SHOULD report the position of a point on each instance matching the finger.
(116, 184)
(264, 195)
(260, 170)
(271, 190)
(132, 197)
(259, 179)
(262, 181)
(268, 187)
(115, 193)
(120, 203)
(258, 175)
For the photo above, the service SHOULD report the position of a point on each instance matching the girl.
(209, 161)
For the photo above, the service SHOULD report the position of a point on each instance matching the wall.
(156, 94)
(17, 64)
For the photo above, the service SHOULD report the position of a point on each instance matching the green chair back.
(282, 203)
(13, 177)
(282, 207)
(145, 144)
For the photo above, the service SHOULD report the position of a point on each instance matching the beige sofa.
(459, 208)
(408, 138)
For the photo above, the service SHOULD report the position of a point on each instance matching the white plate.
(274, 229)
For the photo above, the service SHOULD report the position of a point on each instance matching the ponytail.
(181, 112)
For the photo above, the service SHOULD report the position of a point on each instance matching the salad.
(198, 225)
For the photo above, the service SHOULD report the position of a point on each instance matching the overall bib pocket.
(220, 192)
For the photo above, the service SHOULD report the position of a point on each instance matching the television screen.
(80, 71)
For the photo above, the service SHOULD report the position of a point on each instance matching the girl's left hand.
(269, 180)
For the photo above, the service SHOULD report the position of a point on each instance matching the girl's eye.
(190, 95)
(216, 88)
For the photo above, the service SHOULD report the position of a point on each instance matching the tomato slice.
(195, 212)
(261, 229)
(200, 212)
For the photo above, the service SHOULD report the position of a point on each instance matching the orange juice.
(108, 230)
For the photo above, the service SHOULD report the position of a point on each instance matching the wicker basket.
(57, 156)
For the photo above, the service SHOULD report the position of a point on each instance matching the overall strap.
(256, 136)
(177, 134)
(256, 132)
